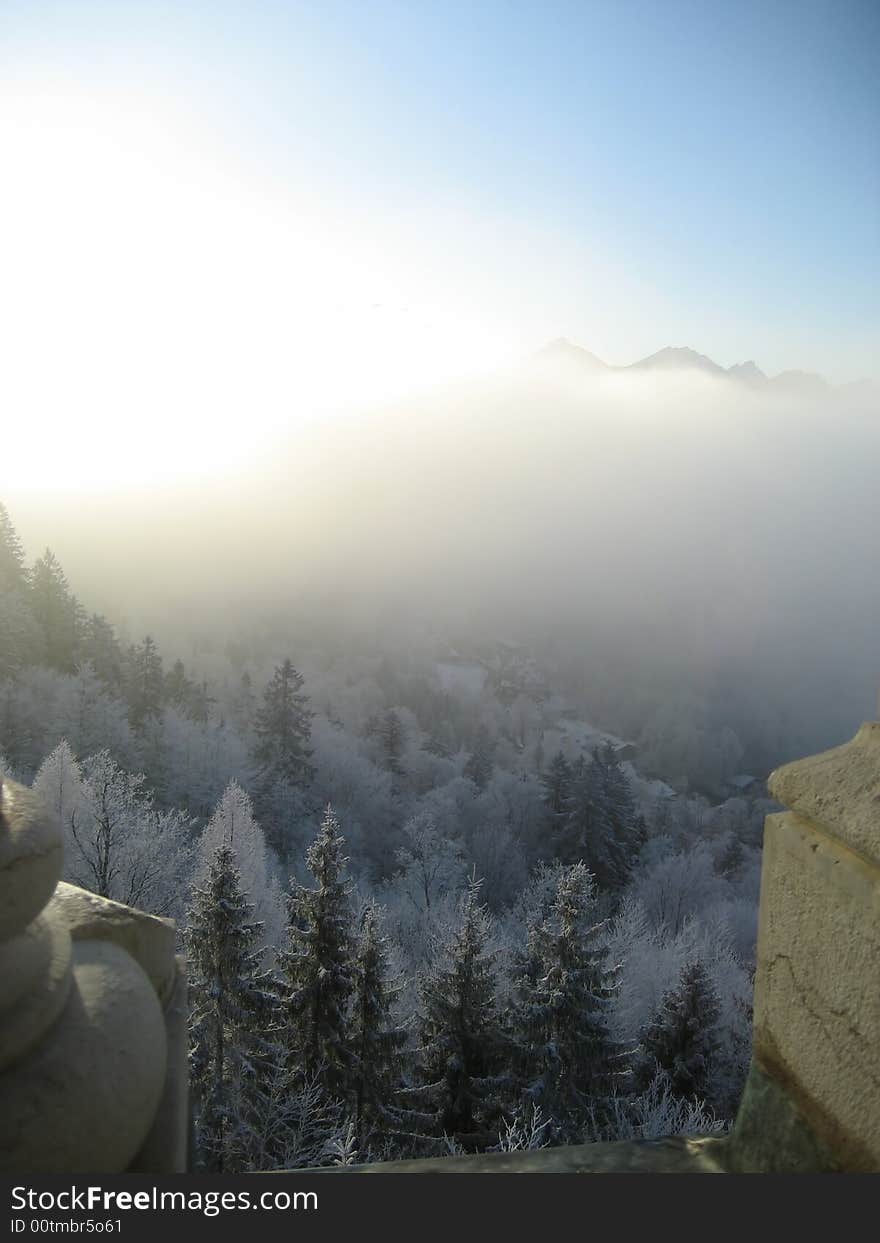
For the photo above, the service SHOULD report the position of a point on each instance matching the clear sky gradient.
(435, 184)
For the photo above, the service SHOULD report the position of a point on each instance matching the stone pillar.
(92, 1017)
(813, 1097)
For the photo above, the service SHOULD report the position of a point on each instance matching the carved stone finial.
(838, 790)
(91, 1005)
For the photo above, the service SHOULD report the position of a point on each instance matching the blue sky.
(627, 174)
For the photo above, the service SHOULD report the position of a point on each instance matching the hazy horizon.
(222, 224)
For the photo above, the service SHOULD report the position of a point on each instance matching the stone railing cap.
(839, 790)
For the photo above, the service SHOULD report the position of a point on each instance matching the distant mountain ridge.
(577, 360)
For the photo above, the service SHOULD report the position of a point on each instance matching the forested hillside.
(429, 903)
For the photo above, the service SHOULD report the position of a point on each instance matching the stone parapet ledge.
(92, 1017)
(813, 1097)
(677, 1155)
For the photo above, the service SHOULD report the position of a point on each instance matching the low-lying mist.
(657, 534)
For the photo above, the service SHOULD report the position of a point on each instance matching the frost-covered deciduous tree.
(654, 1113)
(89, 716)
(117, 842)
(430, 866)
(422, 895)
(291, 1123)
(59, 784)
(233, 1009)
(317, 968)
(678, 886)
(526, 1131)
(361, 794)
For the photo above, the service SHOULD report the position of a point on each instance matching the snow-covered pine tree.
(376, 1040)
(232, 824)
(317, 968)
(478, 767)
(557, 787)
(233, 1008)
(681, 1039)
(461, 1060)
(565, 1058)
(591, 829)
(145, 683)
(620, 805)
(13, 576)
(57, 613)
(19, 635)
(178, 687)
(283, 727)
(392, 737)
(101, 648)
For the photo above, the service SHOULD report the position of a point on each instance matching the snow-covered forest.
(429, 903)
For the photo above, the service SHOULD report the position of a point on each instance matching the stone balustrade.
(93, 1007)
(93, 1044)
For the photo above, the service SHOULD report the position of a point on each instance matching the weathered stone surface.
(149, 939)
(30, 857)
(817, 988)
(85, 1098)
(165, 1148)
(34, 982)
(838, 790)
(771, 1135)
(679, 1155)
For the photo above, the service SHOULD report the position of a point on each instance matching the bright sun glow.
(165, 316)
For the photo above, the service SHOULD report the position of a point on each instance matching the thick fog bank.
(654, 536)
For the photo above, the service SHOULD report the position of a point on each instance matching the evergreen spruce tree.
(681, 1038)
(178, 687)
(146, 684)
(597, 825)
(391, 734)
(13, 576)
(283, 728)
(557, 787)
(317, 968)
(232, 1005)
(479, 763)
(20, 636)
(565, 1058)
(57, 613)
(461, 1061)
(376, 1040)
(620, 806)
(101, 648)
